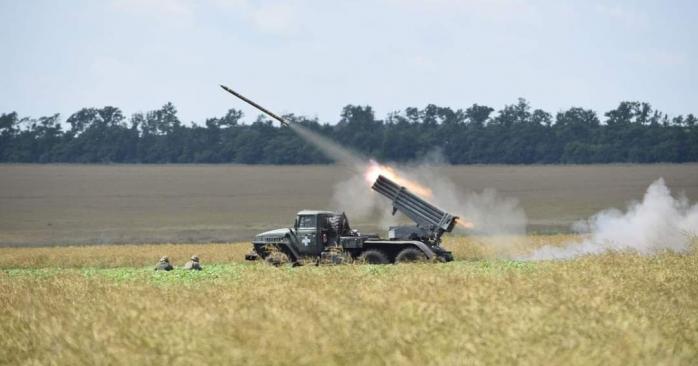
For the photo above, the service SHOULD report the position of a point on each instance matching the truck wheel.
(410, 255)
(276, 258)
(373, 256)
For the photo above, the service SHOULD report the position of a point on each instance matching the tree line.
(516, 134)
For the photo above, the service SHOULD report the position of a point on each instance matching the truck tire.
(277, 258)
(410, 255)
(373, 256)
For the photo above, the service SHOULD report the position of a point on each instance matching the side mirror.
(295, 223)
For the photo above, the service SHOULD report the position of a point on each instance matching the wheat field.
(105, 305)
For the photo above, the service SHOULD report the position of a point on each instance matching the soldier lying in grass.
(164, 264)
(193, 264)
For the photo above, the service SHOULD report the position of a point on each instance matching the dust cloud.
(658, 223)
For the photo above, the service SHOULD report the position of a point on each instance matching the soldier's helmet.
(165, 259)
(194, 258)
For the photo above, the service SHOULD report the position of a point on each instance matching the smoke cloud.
(355, 197)
(658, 223)
(491, 214)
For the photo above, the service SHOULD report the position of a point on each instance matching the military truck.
(325, 236)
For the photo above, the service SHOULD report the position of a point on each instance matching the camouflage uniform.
(193, 264)
(164, 264)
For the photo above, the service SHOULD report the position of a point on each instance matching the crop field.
(104, 305)
(94, 204)
(78, 245)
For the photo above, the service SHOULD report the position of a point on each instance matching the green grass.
(612, 309)
(236, 271)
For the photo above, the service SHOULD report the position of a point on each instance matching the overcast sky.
(314, 57)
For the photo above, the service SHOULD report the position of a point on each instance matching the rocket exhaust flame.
(465, 224)
(374, 170)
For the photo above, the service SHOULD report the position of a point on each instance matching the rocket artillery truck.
(326, 236)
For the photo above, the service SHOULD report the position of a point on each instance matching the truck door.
(308, 241)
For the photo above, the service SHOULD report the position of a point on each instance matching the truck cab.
(313, 230)
(312, 233)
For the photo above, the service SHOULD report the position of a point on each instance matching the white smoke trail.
(657, 223)
(331, 149)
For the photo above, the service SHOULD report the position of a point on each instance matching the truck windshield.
(306, 221)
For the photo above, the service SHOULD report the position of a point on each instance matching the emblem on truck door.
(306, 240)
